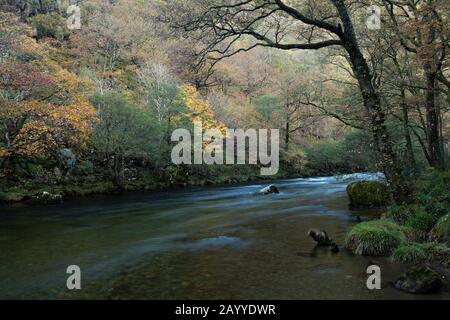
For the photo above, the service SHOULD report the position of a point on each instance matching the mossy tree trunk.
(372, 103)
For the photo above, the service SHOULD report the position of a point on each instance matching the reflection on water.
(223, 242)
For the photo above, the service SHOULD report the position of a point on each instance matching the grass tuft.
(375, 238)
(418, 253)
(441, 231)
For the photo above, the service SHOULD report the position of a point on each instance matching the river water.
(199, 243)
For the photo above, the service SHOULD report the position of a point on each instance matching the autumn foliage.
(43, 107)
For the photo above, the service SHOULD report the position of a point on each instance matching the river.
(198, 243)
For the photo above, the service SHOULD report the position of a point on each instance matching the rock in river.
(269, 190)
(368, 194)
(419, 280)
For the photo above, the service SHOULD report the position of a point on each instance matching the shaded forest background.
(92, 110)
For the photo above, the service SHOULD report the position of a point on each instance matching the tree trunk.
(410, 157)
(119, 176)
(371, 99)
(432, 120)
(287, 136)
(372, 103)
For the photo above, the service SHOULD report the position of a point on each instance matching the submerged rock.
(335, 248)
(269, 190)
(419, 280)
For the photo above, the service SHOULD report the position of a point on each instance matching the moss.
(13, 193)
(87, 189)
(375, 238)
(433, 206)
(433, 192)
(397, 214)
(415, 217)
(419, 219)
(441, 231)
(368, 194)
(446, 263)
(35, 169)
(418, 253)
(83, 168)
(434, 183)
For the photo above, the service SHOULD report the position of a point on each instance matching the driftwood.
(322, 239)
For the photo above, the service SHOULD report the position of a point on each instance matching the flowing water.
(201, 243)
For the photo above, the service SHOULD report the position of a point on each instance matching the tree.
(44, 107)
(162, 97)
(269, 109)
(224, 25)
(199, 109)
(422, 29)
(123, 130)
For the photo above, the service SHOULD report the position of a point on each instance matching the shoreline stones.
(47, 198)
(419, 280)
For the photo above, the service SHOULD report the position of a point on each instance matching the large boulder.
(67, 159)
(419, 280)
(368, 194)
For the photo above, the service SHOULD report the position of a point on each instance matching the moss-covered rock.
(441, 231)
(375, 238)
(368, 194)
(419, 280)
(418, 253)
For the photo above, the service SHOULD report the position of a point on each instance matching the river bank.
(35, 186)
(415, 233)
